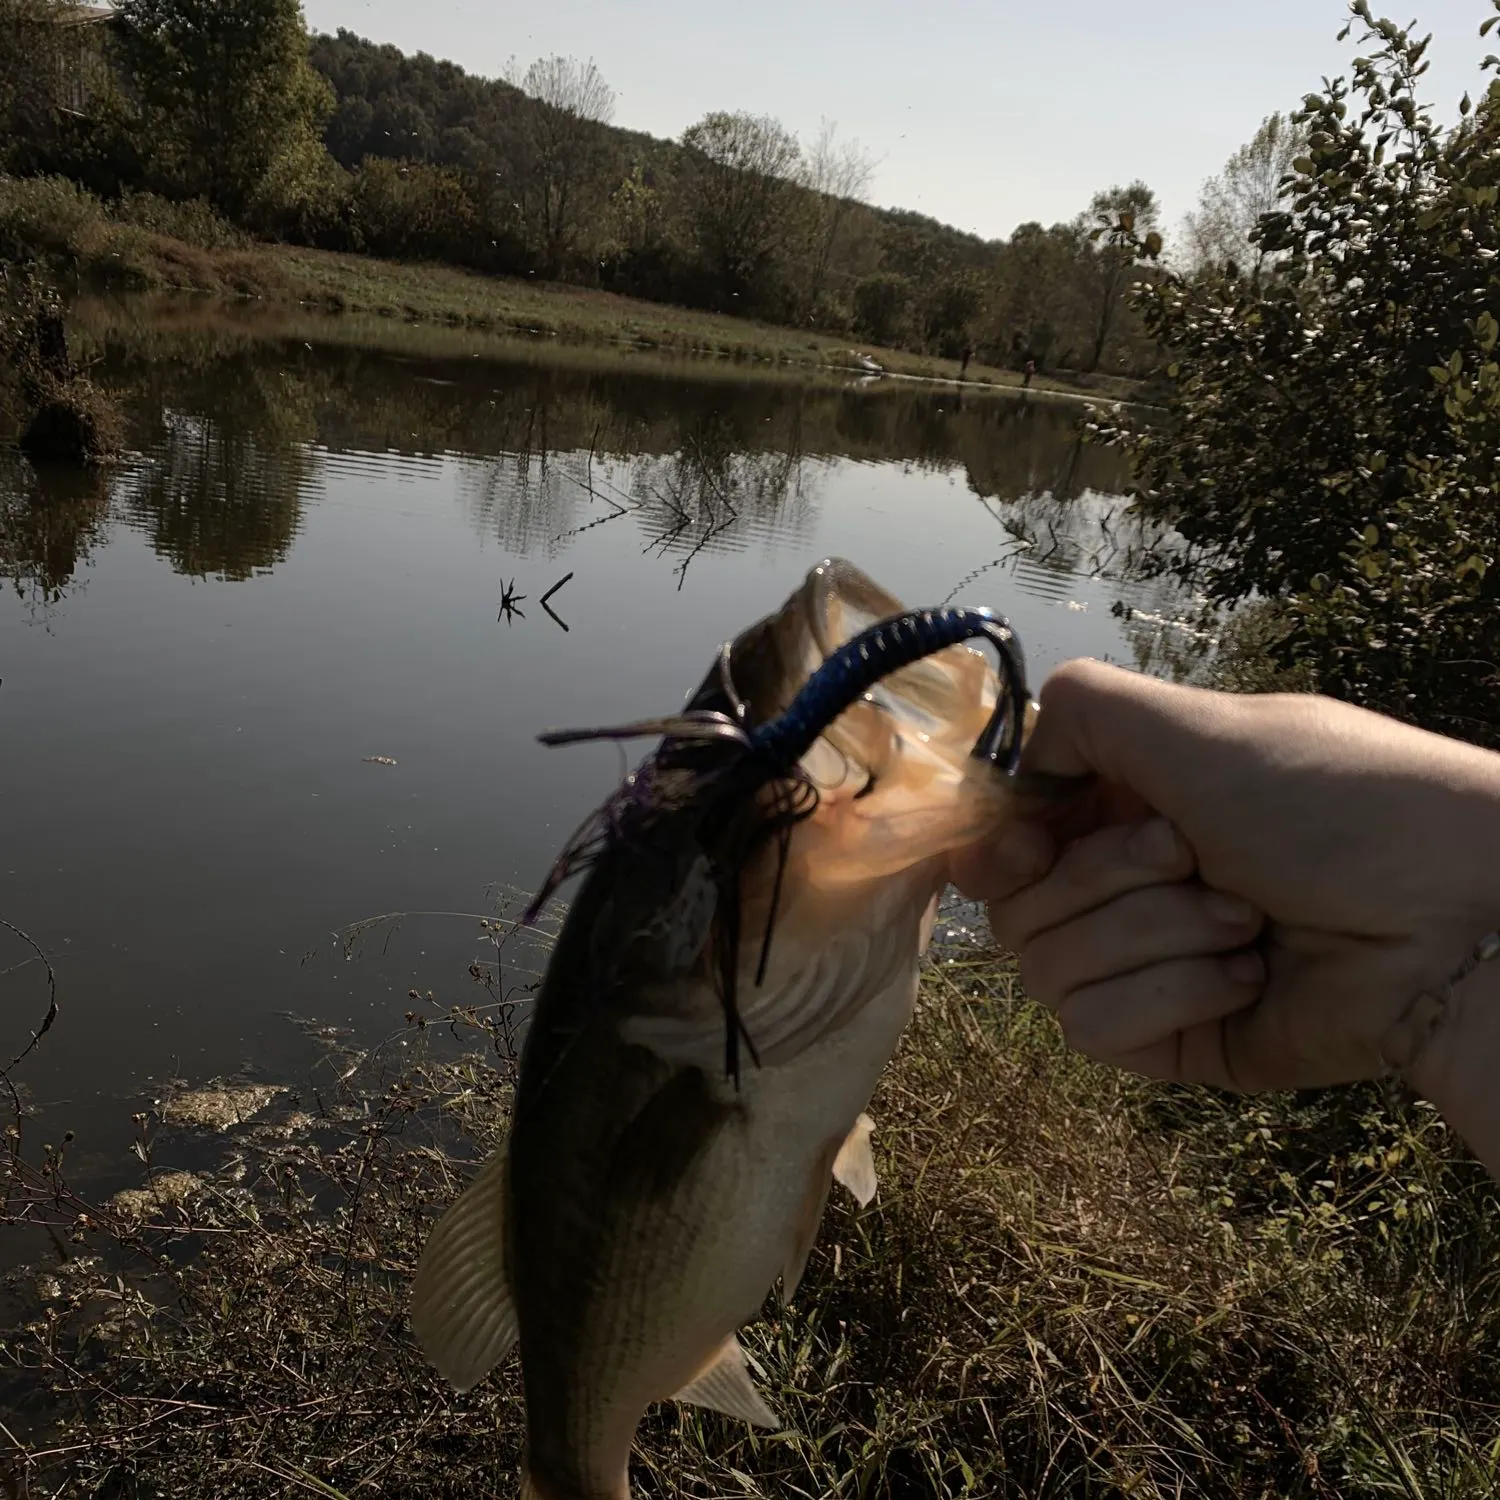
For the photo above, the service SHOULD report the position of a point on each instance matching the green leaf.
(1371, 536)
(1440, 374)
(1488, 330)
(1304, 164)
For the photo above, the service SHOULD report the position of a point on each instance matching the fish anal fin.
(854, 1166)
(462, 1311)
(725, 1386)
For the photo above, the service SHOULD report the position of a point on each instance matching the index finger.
(1128, 731)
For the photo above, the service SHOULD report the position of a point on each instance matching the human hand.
(1362, 853)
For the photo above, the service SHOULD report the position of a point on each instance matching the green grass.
(148, 244)
(1072, 1284)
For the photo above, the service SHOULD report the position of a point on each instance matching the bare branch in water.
(550, 592)
(51, 1016)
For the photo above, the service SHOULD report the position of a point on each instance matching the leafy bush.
(45, 216)
(408, 211)
(193, 221)
(1336, 442)
(61, 414)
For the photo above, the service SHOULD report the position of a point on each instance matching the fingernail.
(1245, 968)
(1155, 845)
(1230, 910)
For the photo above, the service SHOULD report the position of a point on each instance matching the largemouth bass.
(732, 976)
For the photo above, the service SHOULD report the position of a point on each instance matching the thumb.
(1133, 733)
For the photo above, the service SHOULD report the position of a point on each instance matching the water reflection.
(227, 461)
(233, 444)
(51, 520)
(339, 721)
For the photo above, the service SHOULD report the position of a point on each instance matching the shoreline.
(326, 284)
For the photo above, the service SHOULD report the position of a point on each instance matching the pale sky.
(982, 113)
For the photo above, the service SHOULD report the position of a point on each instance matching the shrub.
(1335, 442)
(46, 217)
(192, 221)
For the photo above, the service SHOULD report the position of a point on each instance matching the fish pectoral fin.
(462, 1311)
(854, 1166)
(725, 1386)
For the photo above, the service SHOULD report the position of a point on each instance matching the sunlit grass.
(1072, 1284)
(133, 249)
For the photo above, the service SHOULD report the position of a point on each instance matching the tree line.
(336, 142)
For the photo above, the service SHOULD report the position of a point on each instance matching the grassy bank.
(148, 244)
(1072, 1284)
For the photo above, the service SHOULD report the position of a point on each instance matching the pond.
(259, 685)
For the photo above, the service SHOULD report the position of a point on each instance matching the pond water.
(302, 569)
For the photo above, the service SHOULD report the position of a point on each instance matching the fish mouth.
(901, 759)
(946, 699)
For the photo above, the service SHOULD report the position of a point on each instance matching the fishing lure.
(714, 767)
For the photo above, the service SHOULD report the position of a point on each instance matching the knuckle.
(1035, 981)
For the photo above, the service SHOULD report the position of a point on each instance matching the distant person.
(1259, 892)
(963, 369)
(1030, 371)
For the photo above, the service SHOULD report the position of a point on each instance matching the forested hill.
(738, 214)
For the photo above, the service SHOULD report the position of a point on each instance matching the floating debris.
(166, 1190)
(379, 760)
(219, 1106)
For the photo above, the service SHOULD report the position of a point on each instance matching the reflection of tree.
(711, 495)
(230, 460)
(529, 492)
(50, 522)
(549, 448)
(700, 476)
(1015, 450)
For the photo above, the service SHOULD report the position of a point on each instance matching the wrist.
(1457, 1066)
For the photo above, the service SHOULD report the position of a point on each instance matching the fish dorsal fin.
(462, 1311)
(854, 1166)
(725, 1386)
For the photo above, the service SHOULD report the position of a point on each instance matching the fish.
(735, 971)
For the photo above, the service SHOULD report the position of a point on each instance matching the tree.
(572, 101)
(32, 44)
(839, 174)
(1222, 231)
(882, 308)
(1115, 218)
(739, 194)
(1334, 444)
(226, 91)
